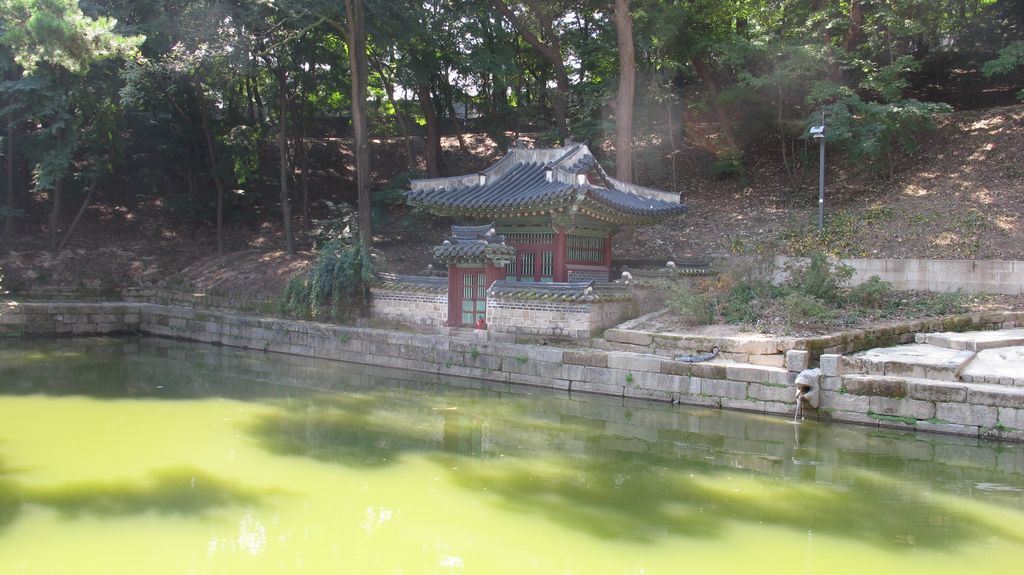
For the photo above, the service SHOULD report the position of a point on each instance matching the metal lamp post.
(818, 133)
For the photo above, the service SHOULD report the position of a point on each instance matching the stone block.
(831, 383)
(587, 358)
(850, 417)
(935, 391)
(948, 428)
(629, 337)
(617, 390)
(829, 363)
(708, 370)
(772, 360)
(845, 402)
(797, 360)
(771, 393)
(1011, 418)
(777, 407)
(750, 345)
(743, 404)
(676, 368)
(875, 386)
(751, 374)
(635, 362)
(902, 408)
(996, 396)
(964, 414)
(723, 388)
(650, 394)
(701, 400)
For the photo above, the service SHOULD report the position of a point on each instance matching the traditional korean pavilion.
(554, 213)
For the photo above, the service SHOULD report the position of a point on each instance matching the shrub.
(747, 301)
(727, 167)
(693, 307)
(820, 278)
(340, 276)
(871, 293)
(803, 308)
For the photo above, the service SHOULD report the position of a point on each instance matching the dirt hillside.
(960, 196)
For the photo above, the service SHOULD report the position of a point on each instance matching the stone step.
(915, 360)
(974, 340)
(1001, 366)
(935, 391)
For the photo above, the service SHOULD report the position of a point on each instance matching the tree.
(627, 85)
(59, 49)
(357, 64)
(549, 45)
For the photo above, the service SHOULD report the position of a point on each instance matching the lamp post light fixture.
(818, 133)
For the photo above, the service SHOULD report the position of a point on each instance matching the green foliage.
(55, 33)
(747, 301)
(820, 278)
(388, 203)
(872, 293)
(869, 132)
(727, 167)
(803, 308)
(340, 276)
(692, 307)
(1009, 58)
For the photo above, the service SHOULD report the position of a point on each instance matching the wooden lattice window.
(586, 249)
(474, 297)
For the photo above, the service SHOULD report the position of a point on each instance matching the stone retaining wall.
(972, 276)
(771, 350)
(851, 390)
(764, 389)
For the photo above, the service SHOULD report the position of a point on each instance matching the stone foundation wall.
(417, 308)
(553, 319)
(962, 409)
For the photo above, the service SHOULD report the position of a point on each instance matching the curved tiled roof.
(473, 250)
(437, 284)
(571, 291)
(543, 179)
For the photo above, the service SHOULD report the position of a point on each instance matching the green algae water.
(149, 456)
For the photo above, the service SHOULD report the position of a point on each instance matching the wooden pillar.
(493, 273)
(561, 257)
(454, 296)
(608, 254)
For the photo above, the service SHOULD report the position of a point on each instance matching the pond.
(154, 456)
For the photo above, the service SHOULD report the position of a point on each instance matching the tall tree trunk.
(389, 91)
(78, 216)
(303, 158)
(58, 191)
(704, 73)
(854, 31)
(358, 68)
(627, 85)
(9, 220)
(672, 142)
(458, 127)
(433, 144)
(282, 146)
(212, 158)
